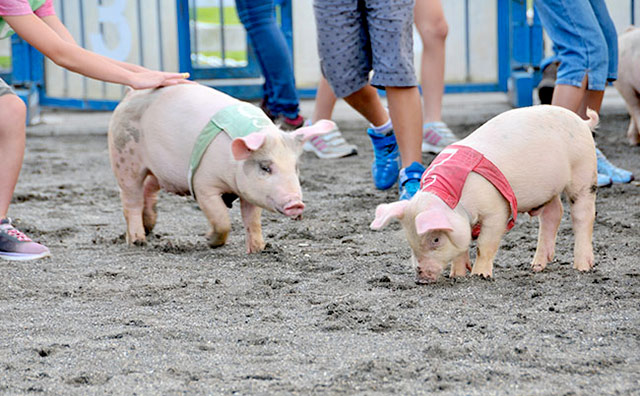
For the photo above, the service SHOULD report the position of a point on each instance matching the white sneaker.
(436, 136)
(330, 145)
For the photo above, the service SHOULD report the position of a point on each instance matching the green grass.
(5, 62)
(212, 15)
(236, 55)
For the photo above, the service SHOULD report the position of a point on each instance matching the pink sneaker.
(14, 245)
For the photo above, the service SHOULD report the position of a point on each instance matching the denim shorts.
(358, 36)
(584, 38)
(5, 88)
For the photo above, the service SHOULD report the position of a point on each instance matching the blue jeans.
(258, 18)
(584, 38)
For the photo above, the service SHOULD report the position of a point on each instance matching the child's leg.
(367, 102)
(12, 143)
(325, 101)
(404, 108)
(433, 29)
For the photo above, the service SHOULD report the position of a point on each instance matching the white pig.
(542, 151)
(152, 136)
(628, 83)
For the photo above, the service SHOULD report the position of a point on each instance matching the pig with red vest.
(520, 161)
(193, 139)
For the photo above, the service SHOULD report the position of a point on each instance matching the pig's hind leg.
(583, 214)
(632, 99)
(150, 212)
(132, 196)
(550, 217)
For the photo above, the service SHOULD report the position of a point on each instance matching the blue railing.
(519, 51)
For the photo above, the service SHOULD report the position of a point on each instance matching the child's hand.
(153, 79)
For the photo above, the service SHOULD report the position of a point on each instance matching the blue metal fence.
(519, 51)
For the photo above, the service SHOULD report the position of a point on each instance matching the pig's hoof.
(425, 281)
(138, 242)
(485, 276)
(217, 239)
(538, 267)
(583, 267)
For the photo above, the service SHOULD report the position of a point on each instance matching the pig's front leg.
(460, 265)
(218, 215)
(252, 226)
(493, 227)
(550, 218)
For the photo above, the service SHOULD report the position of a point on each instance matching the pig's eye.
(265, 167)
(436, 241)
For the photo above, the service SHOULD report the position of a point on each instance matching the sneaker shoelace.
(13, 232)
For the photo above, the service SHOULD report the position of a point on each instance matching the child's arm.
(70, 56)
(54, 23)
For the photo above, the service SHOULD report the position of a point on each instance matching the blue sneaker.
(604, 181)
(617, 175)
(409, 180)
(385, 165)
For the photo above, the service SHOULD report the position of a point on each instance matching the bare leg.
(433, 29)
(150, 212)
(13, 114)
(568, 96)
(404, 108)
(549, 222)
(325, 101)
(218, 215)
(367, 102)
(593, 101)
(252, 226)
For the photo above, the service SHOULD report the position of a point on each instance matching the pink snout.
(294, 209)
(427, 273)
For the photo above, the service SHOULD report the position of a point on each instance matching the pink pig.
(628, 83)
(152, 135)
(541, 151)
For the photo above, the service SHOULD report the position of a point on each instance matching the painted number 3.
(113, 14)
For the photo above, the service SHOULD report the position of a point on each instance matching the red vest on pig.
(448, 172)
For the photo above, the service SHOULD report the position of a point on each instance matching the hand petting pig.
(193, 139)
(519, 161)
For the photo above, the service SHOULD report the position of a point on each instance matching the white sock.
(383, 130)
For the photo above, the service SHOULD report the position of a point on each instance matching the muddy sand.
(330, 307)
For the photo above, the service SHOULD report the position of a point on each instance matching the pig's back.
(168, 121)
(536, 148)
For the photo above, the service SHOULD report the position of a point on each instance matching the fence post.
(526, 53)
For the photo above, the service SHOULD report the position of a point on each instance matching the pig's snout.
(427, 274)
(294, 209)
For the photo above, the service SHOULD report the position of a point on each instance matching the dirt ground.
(330, 307)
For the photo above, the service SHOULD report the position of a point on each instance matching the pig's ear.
(431, 220)
(242, 147)
(387, 212)
(319, 128)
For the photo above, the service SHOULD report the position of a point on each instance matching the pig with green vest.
(191, 139)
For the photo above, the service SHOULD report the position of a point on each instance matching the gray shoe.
(14, 245)
(330, 145)
(436, 136)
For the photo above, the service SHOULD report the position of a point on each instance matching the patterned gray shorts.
(358, 36)
(5, 88)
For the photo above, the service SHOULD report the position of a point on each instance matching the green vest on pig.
(5, 29)
(237, 120)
